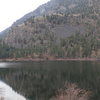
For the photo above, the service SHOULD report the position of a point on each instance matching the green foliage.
(57, 18)
(6, 51)
(80, 45)
(75, 46)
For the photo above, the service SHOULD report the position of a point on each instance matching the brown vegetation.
(72, 92)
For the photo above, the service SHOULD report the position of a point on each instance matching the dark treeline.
(75, 46)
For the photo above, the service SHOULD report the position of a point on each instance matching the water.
(40, 80)
(7, 93)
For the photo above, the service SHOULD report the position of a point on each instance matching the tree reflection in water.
(41, 80)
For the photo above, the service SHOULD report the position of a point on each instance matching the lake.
(41, 80)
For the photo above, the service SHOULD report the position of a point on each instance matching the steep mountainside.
(64, 6)
(61, 28)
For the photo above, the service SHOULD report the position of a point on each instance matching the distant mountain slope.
(64, 6)
(4, 33)
(56, 28)
(61, 26)
(62, 17)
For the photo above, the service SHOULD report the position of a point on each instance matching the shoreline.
(47, 59)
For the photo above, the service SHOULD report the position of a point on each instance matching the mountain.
(63, 6)
(3, 33)
(60, 28)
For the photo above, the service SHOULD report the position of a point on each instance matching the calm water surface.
(40, 80)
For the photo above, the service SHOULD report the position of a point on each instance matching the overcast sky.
(11, 10)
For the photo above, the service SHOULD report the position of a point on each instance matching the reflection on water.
(6, 93)
(7, 65)
(40, 80)
(2, 65)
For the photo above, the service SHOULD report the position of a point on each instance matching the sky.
(12, 10)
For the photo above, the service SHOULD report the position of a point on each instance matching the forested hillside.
(60, 29)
